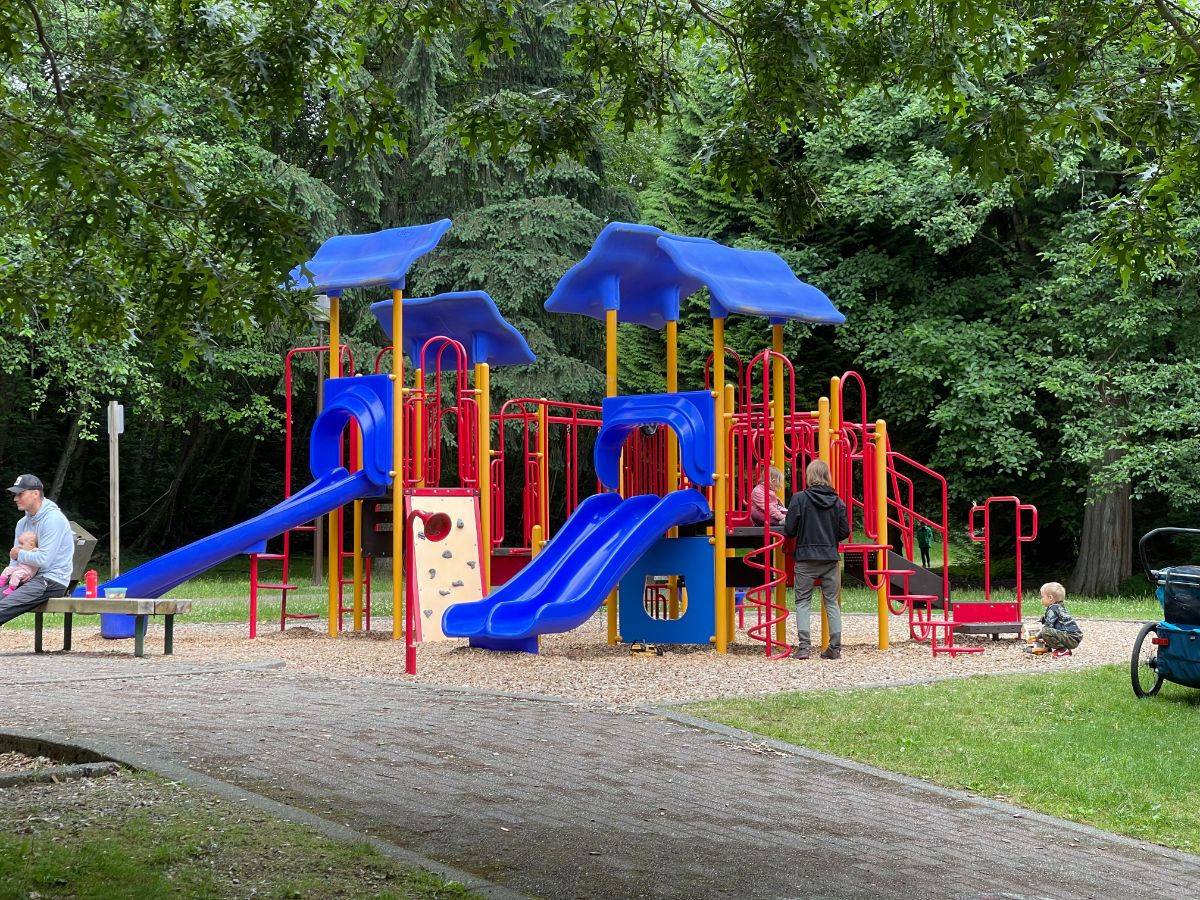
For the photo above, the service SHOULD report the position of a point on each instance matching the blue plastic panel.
(469, 317)
(368, 400)
(645, 273)
(379, 259)
(750, 283)
(693, 559)
(690, 414)
(568, 581)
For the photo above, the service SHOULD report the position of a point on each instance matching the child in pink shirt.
(16, 573)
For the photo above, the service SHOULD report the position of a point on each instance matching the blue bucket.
(116, 626)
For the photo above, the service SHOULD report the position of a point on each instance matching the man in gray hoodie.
(54, 554)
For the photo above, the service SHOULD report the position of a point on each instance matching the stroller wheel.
(1143, 664)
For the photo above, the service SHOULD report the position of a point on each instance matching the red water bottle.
(90, 580)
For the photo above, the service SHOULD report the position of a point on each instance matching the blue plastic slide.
(565, 584)
(333, 489)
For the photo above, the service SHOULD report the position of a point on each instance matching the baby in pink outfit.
(16, 573)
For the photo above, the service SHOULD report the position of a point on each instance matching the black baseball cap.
(27, 483)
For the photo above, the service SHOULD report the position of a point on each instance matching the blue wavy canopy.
(379, 259)
(645, 273)
(469, 317)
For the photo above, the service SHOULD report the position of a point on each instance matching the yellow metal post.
(673, 478)
(823, 442)
(835, 424)
(334, 557)
(823, 429)
(397, 463)
(778, 459)
(720, 478)
(610, 390)
(483, 401)
(543, 450)
(881, 514)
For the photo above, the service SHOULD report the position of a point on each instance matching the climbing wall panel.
(447, 571)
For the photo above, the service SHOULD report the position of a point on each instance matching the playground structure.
(666, 541)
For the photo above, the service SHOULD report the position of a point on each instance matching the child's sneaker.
(1058, 653)
(8, 591)
(1037, 648)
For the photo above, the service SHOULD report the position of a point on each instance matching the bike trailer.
(1179, 593)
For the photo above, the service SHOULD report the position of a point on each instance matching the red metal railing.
(985, 537)
(525, 413)
(284, 586)
(761, 445)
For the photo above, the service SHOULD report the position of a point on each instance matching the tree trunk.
(1106, 542)
(64, 460)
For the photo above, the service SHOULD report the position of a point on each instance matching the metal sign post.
(116, 426)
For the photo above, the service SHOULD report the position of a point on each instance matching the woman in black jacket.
(817, 519)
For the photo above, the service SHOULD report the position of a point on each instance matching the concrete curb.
(916, 784)
(58, 773)
(100, 753)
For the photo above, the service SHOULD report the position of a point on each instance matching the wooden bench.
(140, 609)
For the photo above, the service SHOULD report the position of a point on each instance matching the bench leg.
(66, 631)
(139, 636)
(168, 635)
(37, 632)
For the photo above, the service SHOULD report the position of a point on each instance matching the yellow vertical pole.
(543, 445)
(777, 458)
(823, 453)
(397, 463)
(610, 390)
(835, 423)
(720, 478)
(418, 448)
(823, 430)
(483, 401)
(881, 513)
(672, 452)
(334, 557)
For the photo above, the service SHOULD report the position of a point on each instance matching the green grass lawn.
(1072, 744)
(138, 836)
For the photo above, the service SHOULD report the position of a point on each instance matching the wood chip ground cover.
(579, 665)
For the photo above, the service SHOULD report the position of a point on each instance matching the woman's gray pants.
(830, 574)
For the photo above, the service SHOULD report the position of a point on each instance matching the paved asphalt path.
(563, 799)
